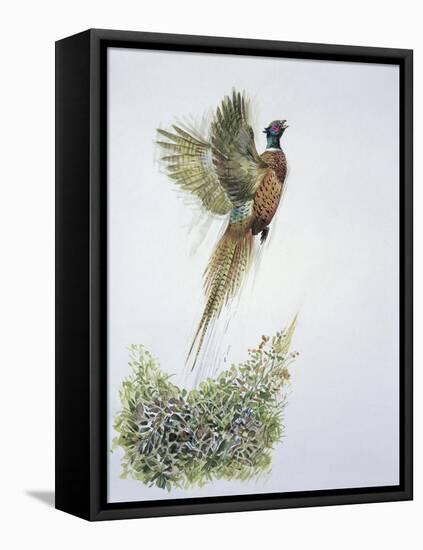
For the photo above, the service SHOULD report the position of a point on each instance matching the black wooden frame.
(81, 273)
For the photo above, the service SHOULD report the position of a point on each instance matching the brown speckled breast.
(277, 161)
(267, 197)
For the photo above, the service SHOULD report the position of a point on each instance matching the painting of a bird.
(231, 179)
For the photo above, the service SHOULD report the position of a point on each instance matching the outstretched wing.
(188, 162)
(235, 158)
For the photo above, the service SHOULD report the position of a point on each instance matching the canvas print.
(253, 275)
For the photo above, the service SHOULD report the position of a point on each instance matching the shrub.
(226, 428)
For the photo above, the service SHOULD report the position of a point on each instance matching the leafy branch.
(224, 429)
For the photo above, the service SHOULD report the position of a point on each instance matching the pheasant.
(229, 177)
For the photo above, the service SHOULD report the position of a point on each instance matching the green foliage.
(224, 429)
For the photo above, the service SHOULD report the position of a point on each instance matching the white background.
(332, 256)
(27, 297)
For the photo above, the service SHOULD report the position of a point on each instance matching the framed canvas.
(233, 274)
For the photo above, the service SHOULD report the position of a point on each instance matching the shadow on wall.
(46, 497)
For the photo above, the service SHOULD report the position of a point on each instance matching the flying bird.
(226, 173)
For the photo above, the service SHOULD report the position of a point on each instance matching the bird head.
(276, 128)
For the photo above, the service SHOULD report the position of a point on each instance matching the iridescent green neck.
(273, 142)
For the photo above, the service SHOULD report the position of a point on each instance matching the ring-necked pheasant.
(230, 178)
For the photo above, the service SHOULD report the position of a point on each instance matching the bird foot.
(264, 235)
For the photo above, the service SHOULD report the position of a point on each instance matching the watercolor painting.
(253, 292)
(227, 426)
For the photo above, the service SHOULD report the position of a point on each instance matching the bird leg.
(264, 234)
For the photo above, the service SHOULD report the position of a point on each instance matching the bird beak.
(285, 125)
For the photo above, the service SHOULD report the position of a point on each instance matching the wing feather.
(188, 162)
(222, 172)
(238, 165)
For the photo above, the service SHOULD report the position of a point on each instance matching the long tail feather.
(223, 277)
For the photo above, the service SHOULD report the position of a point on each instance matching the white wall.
(27, 299)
